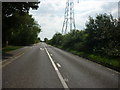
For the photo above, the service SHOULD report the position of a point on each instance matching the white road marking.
(112, 70)
(113, 74)
(6, 62)
(11, 59)
(56, 69)
(58, 65)
(41, 49)
(66, 79)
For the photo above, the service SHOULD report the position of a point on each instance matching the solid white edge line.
(57, 71)
(11, 60)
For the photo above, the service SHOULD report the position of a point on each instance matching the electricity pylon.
(69, 19)
(119, 9)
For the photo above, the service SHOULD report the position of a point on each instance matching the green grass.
(115, 62)
(10, 48)
(112, 62)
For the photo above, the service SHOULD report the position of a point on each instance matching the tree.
(9, 11)
(75, 40)
(103, 35)
(26, 32)
(39, 39)
(45, 40)
(56, 40)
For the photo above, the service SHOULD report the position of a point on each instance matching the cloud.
(50, 14)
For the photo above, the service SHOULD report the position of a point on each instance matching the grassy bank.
(10, 48)
(113, 63)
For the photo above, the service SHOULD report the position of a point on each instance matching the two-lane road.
(44, 66)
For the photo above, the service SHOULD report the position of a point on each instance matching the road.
(44, 66)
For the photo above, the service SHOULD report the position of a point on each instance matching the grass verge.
(113, 63)
(10, 48)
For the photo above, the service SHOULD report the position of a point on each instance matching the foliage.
(101, 37)
(111, 62)
(75, 40)
(10, 48)
(45, 40)
(19, 28)
(56, 40)
(24, 31)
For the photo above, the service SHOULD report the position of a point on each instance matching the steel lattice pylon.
(69, 17)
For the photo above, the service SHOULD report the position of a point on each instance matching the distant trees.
(56, 40)
(101, 36)
(75, 40)
(18, 27)
(45, 40)
(39, 40)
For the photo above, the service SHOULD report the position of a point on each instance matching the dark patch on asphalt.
(6, 56)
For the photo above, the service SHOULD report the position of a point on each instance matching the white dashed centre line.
(57, 71)
(58, 65)
(41, 49)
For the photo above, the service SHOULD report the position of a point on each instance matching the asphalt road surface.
(44, 66)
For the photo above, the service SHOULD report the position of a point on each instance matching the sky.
(50, 14)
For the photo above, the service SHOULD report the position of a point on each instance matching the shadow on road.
(6, 56)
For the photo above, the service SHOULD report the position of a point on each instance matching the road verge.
(110, 63)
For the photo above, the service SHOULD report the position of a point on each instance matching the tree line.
(101, 36)
(18, 26)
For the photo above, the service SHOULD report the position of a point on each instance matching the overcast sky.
(50, 14)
